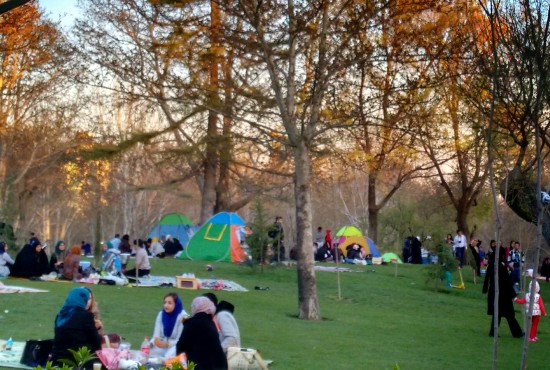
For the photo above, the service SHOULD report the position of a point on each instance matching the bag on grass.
(37, 352)
(244, 359)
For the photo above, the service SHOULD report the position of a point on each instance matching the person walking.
(506, 294)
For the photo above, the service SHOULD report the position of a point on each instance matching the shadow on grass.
(295, 316)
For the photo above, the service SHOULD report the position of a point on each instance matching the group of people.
(32, 261)
(508, 295)
(204, 336)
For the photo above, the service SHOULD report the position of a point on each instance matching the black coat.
(201, 343)
(416, 251)
(506, 292)
(78, 332)
(171, 248)
(29, 263)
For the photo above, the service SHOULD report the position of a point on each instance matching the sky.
(60, 9)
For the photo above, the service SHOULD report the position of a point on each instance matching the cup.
(97, 365)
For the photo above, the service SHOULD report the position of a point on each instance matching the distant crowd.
(33, 261)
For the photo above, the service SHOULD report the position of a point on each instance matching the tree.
(301, 47)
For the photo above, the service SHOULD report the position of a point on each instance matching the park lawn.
(380, 321)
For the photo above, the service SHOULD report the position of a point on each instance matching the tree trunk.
(208, 202)
(372, 208)
(307, 289)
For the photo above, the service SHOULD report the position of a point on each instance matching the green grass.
(380, 321)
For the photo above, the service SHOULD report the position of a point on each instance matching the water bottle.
(145, 346)
(9, 344)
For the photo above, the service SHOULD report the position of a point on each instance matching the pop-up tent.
(219, 239)
(349, 235)
(391, 257)
(176, 225)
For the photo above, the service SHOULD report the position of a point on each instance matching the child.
(538, 308)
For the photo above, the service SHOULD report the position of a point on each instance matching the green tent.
(391, 257)
(219, 239)
(349, 230)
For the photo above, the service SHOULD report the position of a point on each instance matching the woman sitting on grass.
(228, 328)
(111, 260)
(200, 340)
(75, 327)
(142, 265)
(57, 257)
(5, 260)
(71, 264)
(31, 262)
(168, 327)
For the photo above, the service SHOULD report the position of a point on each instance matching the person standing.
(475, 246)
(277, 233)
(545, 268)
(460, 246)
(506, 294)
(515, 260)
(538, 307)
(416, 250)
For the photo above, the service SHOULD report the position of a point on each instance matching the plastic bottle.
(145, 346)
(9, 344)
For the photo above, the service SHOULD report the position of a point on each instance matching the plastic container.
(145, 347)
(9, 344)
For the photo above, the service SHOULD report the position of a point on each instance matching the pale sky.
(60, 9)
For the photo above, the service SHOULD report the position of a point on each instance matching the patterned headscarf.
(77, 298)
(202, 304)
(169, 319)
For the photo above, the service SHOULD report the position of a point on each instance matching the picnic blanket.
(170, 281)
(10, 359)
(19, 289)
(334, 269)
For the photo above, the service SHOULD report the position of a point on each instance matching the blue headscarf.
(2, 247)
(169, 319)
(77, 298)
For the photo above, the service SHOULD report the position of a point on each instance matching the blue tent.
(373, 248)
(176, 225)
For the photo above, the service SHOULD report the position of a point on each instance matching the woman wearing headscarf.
(5, 260)
(57, 257)
(200, 340)
(506, 293)
(168, 327)
(228, 328)
(31, 261)
(75, 326)
(111, 260)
